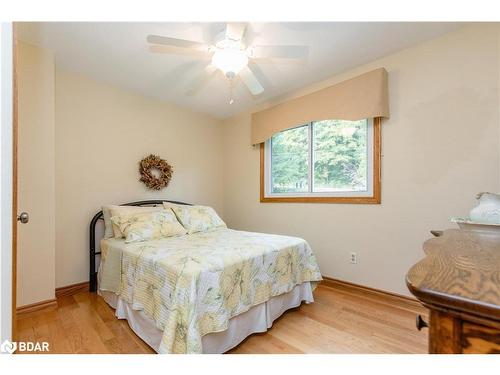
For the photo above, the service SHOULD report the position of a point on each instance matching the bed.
(203, 292)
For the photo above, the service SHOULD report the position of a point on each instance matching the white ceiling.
(117, 53)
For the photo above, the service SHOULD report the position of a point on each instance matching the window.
(335, 161)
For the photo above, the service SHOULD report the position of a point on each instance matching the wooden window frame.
(375, 198)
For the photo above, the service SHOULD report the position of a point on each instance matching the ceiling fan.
(229, 54)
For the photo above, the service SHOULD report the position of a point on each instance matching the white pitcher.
(487, 209)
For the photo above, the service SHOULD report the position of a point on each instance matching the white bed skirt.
(258, 319)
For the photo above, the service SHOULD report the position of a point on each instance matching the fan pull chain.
(231, 98)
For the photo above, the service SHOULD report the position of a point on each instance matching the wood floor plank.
(25, 330)
(58, 337)
(263, 343)
(72, 329)
(341, 320)
(316, 337)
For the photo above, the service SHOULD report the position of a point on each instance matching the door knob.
(23, 217)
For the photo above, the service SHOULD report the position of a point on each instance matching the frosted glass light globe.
(230, 60)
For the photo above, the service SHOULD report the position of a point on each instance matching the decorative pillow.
(148, 226)
(108, 225)
(121, 211)
(196, 218)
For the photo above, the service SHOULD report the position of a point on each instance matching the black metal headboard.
(93, 252)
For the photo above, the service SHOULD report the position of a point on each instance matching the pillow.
(148, 226)
(196, 218)
(108, 225)
(120, 211)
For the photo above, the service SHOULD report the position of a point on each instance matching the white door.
(36, 171)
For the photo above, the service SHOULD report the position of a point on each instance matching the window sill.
(347, 200)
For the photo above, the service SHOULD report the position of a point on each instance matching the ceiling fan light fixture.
(230, 61)
(230, 53)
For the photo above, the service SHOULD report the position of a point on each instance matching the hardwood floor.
(342, 320)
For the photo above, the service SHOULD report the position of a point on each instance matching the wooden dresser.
(459, 281)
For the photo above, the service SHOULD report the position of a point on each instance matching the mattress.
(191, 286)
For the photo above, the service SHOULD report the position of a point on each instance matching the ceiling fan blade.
(201, 80)
(251, 81)
(279, 52)
(179, 43)
(157, 48)
(235, 30)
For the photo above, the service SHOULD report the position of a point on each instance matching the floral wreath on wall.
(155, 172)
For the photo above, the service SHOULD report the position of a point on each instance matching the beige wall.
(101, 134)
(36, 190)
(440, 147)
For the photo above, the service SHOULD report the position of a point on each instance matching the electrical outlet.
(353, 258)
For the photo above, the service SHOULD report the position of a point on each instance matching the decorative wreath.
(153, 163)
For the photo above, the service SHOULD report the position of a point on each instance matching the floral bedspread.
(192, 285)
